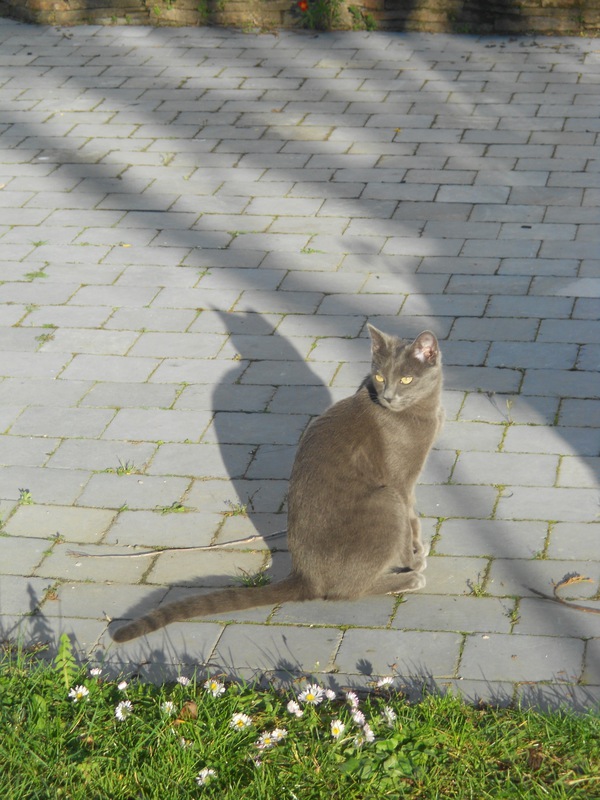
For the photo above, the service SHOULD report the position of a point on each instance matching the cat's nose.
(388, 395)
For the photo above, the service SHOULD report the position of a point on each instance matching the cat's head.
(403, 373)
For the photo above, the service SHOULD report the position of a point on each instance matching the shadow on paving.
(169, 660)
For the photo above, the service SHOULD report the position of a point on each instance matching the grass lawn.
(68, 733)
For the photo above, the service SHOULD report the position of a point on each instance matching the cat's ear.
(425, 348)
(379, 340)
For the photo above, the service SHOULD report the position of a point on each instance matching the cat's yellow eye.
(406, 379)
(379, 377)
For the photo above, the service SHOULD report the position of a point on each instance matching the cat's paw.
(422, 549)
(417, 581)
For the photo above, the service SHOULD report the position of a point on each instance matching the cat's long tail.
(291, 588)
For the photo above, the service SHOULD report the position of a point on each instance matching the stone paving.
(195, 226)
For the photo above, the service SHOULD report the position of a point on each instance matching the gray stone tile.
(64, 563)
(370, 612)
(572, 383)
(470, 436)
(109, 368)
(535, 355)
(450, 575)
(213, 569)
(573, 330)
(456, 501)
(39, 421)
(491, 537)
(558, 697)
(32, 451)
(530, 410)
(495, 329)
(574, 540)
(483, 379)
(67, 522)
(177, 345)
(252, 428)
(20, 595)
(449, 613)
(286, 648)
(108, 490)
(407, 653)
(507, 469)
(540, 617)
(51, 486)
(40, 629)
(561, 440)
(164, 654)
(517, 577)
(559, 504)
(20, 554)
(579, 472)
(130, 395)
(100, 600)
(498, 657)
(202, 460)
(102, 455)
(169, 425)
(149, 529)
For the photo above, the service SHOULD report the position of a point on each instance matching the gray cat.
(352, 526)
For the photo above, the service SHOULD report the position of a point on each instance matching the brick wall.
(460, 16)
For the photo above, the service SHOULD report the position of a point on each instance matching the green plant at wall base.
(362, 20)
(320, 15)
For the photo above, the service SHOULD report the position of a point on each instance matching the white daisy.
(358, 717)
(79, 693)
(383, 682)
(352, 699)
(294, 708)
(368, 733)
(122, 686)
(95, 672)
(389, 716)
(183, 680)
(270, 739)
(313, 695)
(337, 728)
(240, 721)
(168, 707)
(216, 688)
(330, 694)
(205, 776)
(278, 734)
(123, 710)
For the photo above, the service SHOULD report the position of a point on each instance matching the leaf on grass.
(535, 757)
(189, 711)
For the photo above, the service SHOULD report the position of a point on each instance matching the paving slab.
(189, 256)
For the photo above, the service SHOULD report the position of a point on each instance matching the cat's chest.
(406, 441)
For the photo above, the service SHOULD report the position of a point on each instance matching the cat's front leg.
(420, 550)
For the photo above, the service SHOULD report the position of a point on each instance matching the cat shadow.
(261, 406)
